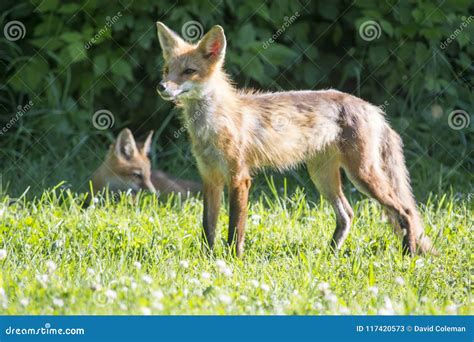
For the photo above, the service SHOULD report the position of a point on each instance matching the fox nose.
(161, 87)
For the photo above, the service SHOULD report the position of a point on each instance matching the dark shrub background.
(409, 68)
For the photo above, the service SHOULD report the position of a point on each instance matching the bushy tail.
(397, 174)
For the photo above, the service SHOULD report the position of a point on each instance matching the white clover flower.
(225, 299)
(51, 266)
(147, 279)
(122, 306)
(400, 281)
(221, 263)
(265, 287)
(146, 311)
(243, 298)
(387, 309)
(158, 306)
(419, 263)
(171, 274)
(138, 265)
(226, 271)
(255, 218)
(58, 302)
(318, 306)
(158, 294)
(344, 311)
(452, 309)
(331, 297)
(24, 301)
(374, 290)
(254, 283)
(323, 287)
(133, 285)
(205, 275)
(111, 294)
(151, 219)
(42, 278)
(184, 263)
(95, 200)
(90, 271)
(194, 281)
(3, 254)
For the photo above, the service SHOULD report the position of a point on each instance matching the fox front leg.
(212, 193)
(238, 199)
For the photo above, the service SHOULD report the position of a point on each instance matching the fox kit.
(234, 133)
(127, 167)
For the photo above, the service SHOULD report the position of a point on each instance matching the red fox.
(234, 133)
(127, 167)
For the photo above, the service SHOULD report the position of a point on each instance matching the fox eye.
(137, 175)
(189, 71)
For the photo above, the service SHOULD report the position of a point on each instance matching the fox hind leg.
(371, 181)
(325, 173)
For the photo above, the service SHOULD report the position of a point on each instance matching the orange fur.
(234, 133)
(127, 167)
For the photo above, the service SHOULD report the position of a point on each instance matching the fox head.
(189, 68)
(126, 166)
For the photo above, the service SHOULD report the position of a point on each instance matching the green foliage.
(78, 58)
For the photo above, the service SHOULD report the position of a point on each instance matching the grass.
(146, 257)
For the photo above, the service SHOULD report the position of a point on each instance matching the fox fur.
(235, 133)
(127, 167)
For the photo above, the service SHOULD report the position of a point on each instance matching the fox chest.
(207, 146)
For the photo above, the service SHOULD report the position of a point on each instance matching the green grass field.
(146, 258)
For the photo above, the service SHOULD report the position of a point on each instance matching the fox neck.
(218, 93)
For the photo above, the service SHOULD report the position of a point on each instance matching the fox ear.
(213, 44)
(169, 40)
(146, 149)
(125, 145)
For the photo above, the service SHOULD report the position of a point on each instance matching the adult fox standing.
(234, 133)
